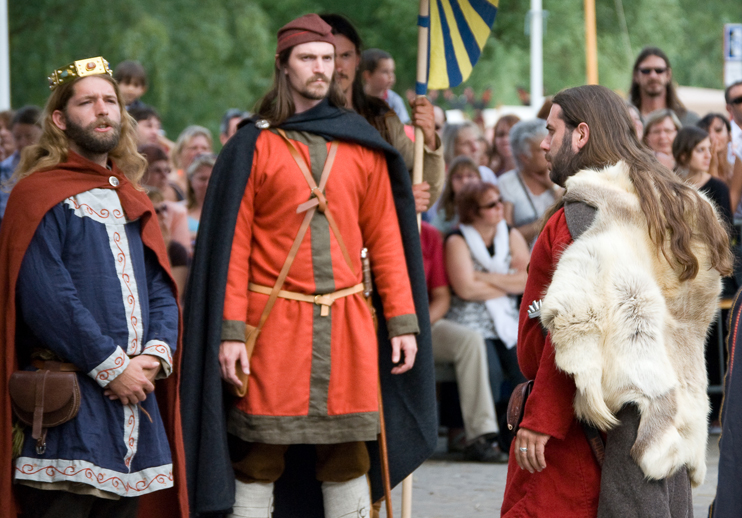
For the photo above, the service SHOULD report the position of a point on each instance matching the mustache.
(318, 77)
(103, 120)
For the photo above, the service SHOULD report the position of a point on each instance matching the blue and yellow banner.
(458, 30)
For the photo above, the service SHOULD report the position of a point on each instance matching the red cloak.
(30, 200)
(570, 484)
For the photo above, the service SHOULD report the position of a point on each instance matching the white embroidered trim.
(110, 367)
(161, 350)
(104, 206)
(131, 432)
(124, 484)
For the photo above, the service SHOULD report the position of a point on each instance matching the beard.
(317, 91)
(91, 142)
(565, 162)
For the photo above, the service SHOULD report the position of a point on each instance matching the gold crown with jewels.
(80, 68)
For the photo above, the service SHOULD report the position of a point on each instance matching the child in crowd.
(377, 69)
(132, 80)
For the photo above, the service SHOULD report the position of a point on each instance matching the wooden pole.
(591, 43)
(384, 458)
(422, 78)
(407, 497)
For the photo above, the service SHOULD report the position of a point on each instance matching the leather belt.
(325, 299)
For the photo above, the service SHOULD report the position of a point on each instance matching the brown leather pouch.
(43, 399)
(251, 334)
(517, 404)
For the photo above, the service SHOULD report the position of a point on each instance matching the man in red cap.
(277, 293)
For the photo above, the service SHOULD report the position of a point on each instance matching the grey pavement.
(447, 487)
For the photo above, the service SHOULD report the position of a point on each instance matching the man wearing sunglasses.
(733, 97)
(652, 88)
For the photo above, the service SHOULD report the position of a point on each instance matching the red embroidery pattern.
(118, 362)
(131, 423)
(121, 258)
(162, 349)
(103, 214)
(100, 477)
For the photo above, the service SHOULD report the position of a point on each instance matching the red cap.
(305, 29)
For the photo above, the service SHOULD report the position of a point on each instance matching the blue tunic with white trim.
(93, 294)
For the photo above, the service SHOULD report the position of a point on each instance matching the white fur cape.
(629, 331)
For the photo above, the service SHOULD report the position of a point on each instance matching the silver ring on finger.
(524, 450)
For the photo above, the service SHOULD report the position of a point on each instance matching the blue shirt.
(7, 168)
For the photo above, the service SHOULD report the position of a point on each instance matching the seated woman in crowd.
(528, 190)
(660, 129)
(464, 347)
(692, 153)
(501, 156)
(486, 266)
(193, 141)
(461, 171)
(176, 253)
(156, 178)
(199, 173)
(722, 155)
(463, 139)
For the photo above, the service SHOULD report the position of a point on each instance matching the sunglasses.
(736, 100)
(658, 71)
(491, 205)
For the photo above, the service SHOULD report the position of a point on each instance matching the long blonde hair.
(53, 146)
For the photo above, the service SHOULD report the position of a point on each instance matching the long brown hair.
(53, 146)
(448, 197)
(277, 105)
(668, 203)
(376, 111)
(672, 100)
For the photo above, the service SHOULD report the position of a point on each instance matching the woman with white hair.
(527, 190)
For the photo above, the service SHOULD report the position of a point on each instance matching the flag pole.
(591, 43)
(421, 87)
(417, 169)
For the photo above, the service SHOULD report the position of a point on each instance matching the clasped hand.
(138, 379)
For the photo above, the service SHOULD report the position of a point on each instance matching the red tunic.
(313, 378)
(570, 484)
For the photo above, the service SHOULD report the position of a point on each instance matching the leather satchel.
(517, 404)
(43, 399)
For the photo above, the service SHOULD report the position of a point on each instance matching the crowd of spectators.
(476, 236)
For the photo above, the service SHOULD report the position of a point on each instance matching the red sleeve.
(549, 409)
(433, 259)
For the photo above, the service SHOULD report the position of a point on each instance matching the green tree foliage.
(204, 56)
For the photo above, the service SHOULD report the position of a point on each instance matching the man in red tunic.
(553, 472)
(310, 205)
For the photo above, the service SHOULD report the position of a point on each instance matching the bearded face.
(97, 138)
(563, 161)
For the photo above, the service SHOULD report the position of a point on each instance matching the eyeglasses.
(736, 100)
(657, 70)
(491, 205)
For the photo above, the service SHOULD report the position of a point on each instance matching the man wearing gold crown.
(85, 292)
(295, 195)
